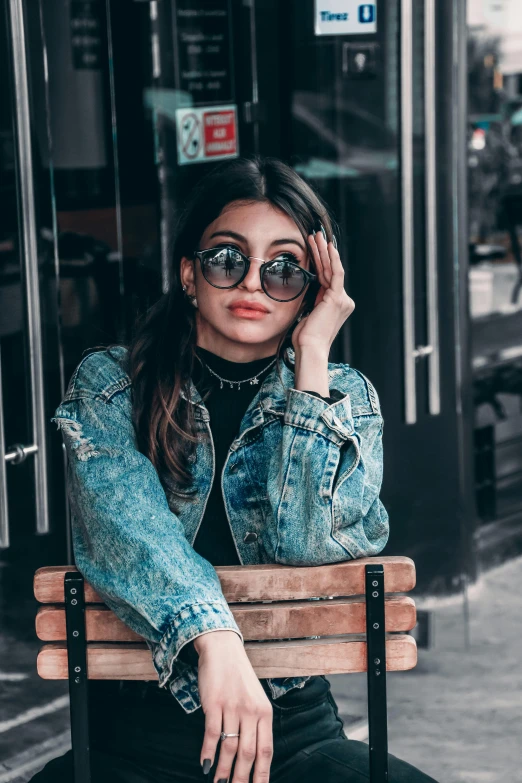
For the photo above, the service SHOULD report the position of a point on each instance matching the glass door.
(27, 307)
(79, 257)
(367, 111)
(32, 503)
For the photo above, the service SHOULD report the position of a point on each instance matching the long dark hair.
(162, 352)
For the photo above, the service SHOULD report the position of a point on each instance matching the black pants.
(139, 734)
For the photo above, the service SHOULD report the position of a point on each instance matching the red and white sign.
(206, 134)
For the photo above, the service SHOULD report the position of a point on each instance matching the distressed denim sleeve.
(324, 483)
(127, 542)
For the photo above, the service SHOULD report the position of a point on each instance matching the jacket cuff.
(192, 621)
(189, 654)
(309, 412)
(335, 395)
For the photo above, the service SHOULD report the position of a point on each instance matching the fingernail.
(313, 232)
(206, 766)
(323, 232)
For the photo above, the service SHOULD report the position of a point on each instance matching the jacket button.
(250, 538)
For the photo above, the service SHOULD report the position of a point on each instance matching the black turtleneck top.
(226, 407)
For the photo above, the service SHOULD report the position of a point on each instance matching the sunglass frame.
(309, 277)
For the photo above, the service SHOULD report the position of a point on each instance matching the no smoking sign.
(206, 134)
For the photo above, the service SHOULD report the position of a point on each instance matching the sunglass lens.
(223, 267)
(283, 280)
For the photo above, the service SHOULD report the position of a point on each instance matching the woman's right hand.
(233, 701)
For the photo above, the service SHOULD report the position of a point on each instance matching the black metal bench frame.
(376, 652)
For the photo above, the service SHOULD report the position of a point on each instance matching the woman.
(223, 436)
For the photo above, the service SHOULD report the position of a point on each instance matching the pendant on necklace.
(254, 381)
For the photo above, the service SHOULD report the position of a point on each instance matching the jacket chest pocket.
(258, 454)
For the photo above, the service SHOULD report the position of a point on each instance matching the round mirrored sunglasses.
(281, 279)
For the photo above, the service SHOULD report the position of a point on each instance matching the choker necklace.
(254, 380)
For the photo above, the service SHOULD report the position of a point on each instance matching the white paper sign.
(345, 17)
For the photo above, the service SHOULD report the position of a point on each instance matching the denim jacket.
(302, 475)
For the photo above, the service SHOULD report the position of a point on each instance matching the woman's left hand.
(332, 304)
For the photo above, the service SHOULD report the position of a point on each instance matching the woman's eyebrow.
(227, 233)
(291, 241)
(241, 238)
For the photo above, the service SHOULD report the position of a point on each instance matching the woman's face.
(257, 229)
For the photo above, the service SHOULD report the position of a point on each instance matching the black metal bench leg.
(78, 680)
(376, 646)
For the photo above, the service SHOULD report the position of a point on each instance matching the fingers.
(234, 702)
(254, 748)
(323, 248)
(213, 722)
(246, 752)
(317, 260)
(229, 746)
(265, 749)
(330, 270)
(337, 279)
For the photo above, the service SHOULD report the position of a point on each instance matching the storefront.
(495, 275)
(113, 111)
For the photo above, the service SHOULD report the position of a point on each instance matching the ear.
(187, 275)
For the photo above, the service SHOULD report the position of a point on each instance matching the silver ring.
(224, 736)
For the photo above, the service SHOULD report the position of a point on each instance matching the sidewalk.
(458, 714)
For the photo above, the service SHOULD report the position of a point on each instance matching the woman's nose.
(252, 281)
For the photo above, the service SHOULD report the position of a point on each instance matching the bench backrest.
(287, 634)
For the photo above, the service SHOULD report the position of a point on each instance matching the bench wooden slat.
(263, 582)
(291, 619)
(270, 659)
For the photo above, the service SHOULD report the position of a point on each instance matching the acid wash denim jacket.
(302, 474)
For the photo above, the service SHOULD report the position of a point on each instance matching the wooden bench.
(360, 625)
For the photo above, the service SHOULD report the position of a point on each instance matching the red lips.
(244, 304)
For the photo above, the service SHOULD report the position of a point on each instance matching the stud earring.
(192, 299)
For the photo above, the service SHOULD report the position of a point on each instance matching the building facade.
(111, 113)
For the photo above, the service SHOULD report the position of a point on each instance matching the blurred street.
(456, 716)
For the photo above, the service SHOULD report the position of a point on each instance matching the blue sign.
(366, 13)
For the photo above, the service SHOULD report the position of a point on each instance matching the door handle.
(430, 137)
(4, 510)
(408, 289)
(431, 351)
(32, 292)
